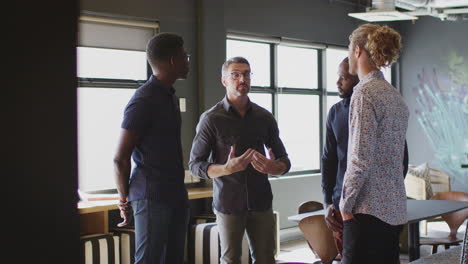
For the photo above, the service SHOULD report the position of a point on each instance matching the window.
(286, 82)
(299, 124)
(99, 117)
(262, 99)
(334, 56)
(295, 81)
(258, 55)
(111, 64)
(297, 67)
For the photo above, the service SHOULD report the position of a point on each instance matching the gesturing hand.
(235, 164)
(267, 165)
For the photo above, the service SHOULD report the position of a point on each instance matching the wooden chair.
(319, 237)
(438, 180)
(309, 206)
(316, 232)
(454, 221)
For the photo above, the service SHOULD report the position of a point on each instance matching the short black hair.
(162, 46)
(345, 60)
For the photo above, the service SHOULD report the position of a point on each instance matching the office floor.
(299, 251)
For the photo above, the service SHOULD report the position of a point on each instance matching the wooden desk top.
(86, 207)
(417, 210)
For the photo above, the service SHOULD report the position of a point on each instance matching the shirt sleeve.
(277, 146)
(137, 116)
(362, 134)
(202, 147)
(329, 160)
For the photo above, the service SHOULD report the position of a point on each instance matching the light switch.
(182, 104)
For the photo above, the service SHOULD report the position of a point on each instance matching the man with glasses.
(151, 135)
(229, 147)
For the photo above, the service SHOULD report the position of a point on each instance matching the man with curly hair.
(373, 199)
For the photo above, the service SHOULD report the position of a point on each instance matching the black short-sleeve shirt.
(153, 113)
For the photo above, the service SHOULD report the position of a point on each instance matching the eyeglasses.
(237, 75)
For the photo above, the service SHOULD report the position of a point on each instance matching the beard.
(243, 89)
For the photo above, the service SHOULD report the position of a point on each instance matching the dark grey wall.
(39, 166)
(319, 20)
(427, 45)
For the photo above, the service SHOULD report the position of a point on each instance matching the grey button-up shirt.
(218, 129)
(378, 120)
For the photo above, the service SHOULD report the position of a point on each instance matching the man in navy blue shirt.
(154, 190)
(335, 151)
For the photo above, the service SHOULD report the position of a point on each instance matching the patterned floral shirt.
(378, 120)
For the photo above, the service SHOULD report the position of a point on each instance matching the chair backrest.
(415, 187)
(455, 219)
(436, 181)
(319, 237)
(309, 206)
(440, 180)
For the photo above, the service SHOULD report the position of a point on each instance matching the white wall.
(290, 192)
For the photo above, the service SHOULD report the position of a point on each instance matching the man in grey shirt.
(229, 147)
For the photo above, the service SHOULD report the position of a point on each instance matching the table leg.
(413, 237)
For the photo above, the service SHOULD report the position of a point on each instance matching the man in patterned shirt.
(373, 199)
(335, 151)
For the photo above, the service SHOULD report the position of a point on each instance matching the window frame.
(112, 83)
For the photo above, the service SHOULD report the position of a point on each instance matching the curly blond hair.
(382, 43)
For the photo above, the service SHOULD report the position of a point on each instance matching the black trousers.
(367, 239)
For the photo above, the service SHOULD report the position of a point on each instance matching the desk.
(426, 209)
(94, 215)
(417, 210)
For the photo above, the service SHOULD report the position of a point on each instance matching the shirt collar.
(227, 105)
(168, 89)
(346, 101)
(376, 74)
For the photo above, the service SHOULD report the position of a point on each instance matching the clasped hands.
(259, 162)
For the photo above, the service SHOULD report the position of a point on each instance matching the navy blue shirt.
(153, 114)
(335, 152)
(221, 127)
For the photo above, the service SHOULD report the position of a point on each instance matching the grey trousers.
(260, 228)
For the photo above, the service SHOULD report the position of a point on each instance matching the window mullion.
(322, 98)
(274, 78)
